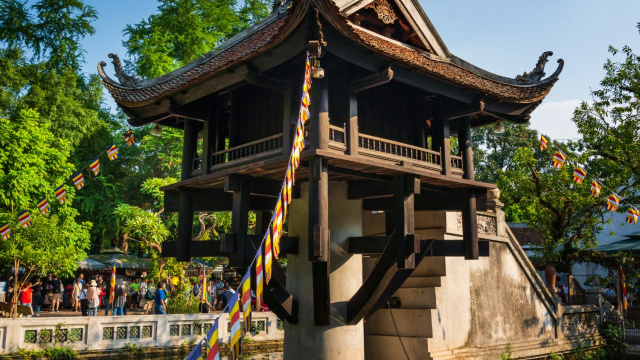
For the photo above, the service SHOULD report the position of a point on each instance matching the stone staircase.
(413, 316)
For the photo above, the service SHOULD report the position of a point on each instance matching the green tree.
(33, 162)
(184, 30)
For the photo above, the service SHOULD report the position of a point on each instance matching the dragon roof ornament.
(537, 73)
(124, 78)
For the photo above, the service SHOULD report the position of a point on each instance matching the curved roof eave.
(131, 93)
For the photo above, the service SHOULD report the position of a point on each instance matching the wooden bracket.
(373, 80)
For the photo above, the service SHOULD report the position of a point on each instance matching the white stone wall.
(86, 333)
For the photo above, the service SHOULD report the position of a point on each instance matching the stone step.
(379, 347)
(431, 266)
(422, 282)
(410, 323)
(417, 298)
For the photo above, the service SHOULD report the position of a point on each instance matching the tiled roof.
(455, 73)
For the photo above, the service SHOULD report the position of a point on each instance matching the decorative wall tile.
(107, 333)
(174, 330)
(197, 328)
(30, 336)
(185, 330)
(61, 335)
(147, 331)
(280, 325)
(207, 327)
(121, 333)
(46, 336)
(134, 332)
(76, 334)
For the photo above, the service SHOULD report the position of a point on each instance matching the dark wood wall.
(256, 113)
(393, 111)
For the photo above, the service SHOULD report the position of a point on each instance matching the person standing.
(75, 295)
(144, 287)
(37, 297)
(57, 290)
(93, 298)
(120, 299)
(84, 302)
(161, 300)
(81, 278)
(135, 293)
(26, 294)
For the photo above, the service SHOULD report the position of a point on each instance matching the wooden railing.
(387, 149)
(196, 164)
(456, 165)
(337, 138)
(249, 152)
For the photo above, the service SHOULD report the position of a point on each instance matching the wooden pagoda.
(387, 100)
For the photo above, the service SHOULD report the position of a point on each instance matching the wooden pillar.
(287, 124)
(352, 143)
(319, 123)
(239, 185)
(404, 188)
(470, 225)
(465, 145)
(209, 141)
(441, 139)
(318, 237)
(221, 128)
(185, 226)
(188, 148)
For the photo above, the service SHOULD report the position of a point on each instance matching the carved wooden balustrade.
(456, 165)
(391, 150)
(337, 138)
(249, 152)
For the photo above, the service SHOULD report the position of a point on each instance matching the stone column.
(305, 340)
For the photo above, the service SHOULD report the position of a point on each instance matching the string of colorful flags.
(580, 174)
(269, 249)
(24, 218)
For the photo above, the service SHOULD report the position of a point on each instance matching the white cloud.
(554, 119)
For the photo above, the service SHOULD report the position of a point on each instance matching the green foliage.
(615, 346)
(181, 302)
(184, 30)
(53, 353)
(508, 352)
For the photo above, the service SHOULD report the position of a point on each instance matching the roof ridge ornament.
(124, 78)
(281, 6)
(384, 10)
(537, 73)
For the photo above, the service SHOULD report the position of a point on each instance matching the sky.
(505, 37)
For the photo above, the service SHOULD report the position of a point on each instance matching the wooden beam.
(352, 139)
(239, 217)
(466, 149)
(357, 190)
(398, 259)
(470, 225)
(214, 200)
(267, 81)
(188, 148)
(209, 140)
(185, 227)
(441, 139)
(276, 296)
(462, 110)
(374, 246)
(372, 80)
(318, 235)
(444, 199)
(319, 128)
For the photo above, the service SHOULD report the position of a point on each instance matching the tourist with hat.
(93, 296)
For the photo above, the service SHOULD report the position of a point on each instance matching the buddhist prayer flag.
(212, 342)
(596, 186)
(543, 142)
(632, 215)
(277, 227)
(5, 231)
(204, 287)
(78, 180)
(305, 99)
(112, 152)
(289, 180)
(579, 174)
(259, 279)
(128, 137)
(245, 290)
(267, 258)
(25, 219)
(61, 194)
(235, 327)
(623, 286)
(559, 159)
(196, 353)
(112, 294)
(613, 201)
(95, 166)
(43, 206)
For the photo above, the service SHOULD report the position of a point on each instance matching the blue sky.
(502, 36)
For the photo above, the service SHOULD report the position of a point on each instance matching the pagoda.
(388, 148)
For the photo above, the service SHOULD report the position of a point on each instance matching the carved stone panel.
(486, 224)
(576, 324)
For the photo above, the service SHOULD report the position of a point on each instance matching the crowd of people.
(91, 296)
(87, 297)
